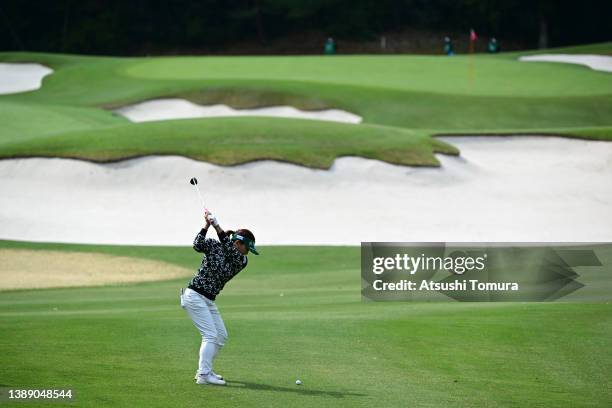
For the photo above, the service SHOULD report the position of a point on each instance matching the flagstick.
(471, 62)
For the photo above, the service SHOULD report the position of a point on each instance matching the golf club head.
(193, 181)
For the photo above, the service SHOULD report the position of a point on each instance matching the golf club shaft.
(200, 195)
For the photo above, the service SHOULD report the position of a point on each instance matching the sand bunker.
(16, 77)
(22, 268)
(500, 189)
(166, 109)
(596, 62)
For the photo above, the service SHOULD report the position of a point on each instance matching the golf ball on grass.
(298, 382)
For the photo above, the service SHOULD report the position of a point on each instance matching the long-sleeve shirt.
(222, 261)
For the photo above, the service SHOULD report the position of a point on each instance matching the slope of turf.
(432, 95)
(23, 121)
(306, 142)
(296, 313)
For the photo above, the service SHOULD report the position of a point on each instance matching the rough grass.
(296, 313)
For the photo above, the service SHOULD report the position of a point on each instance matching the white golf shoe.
(197, 374)
(209, 379)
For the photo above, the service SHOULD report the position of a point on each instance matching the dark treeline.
(136, 27)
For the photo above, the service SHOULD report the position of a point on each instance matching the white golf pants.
(208, 321)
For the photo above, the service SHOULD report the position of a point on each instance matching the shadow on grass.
(299, 389)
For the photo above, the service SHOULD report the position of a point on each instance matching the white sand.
(17, 77)
(596, 62)
(165, 109)
(501, 189)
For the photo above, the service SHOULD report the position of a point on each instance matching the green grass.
(132, 345)
(404, 100)
(311, 143)
(433, 74)
(604, 48)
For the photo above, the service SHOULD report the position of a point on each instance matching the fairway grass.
(404, 101)
(296, 313)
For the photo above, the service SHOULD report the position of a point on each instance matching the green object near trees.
(330, 47)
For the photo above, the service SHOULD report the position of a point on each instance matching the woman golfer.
(223, 259)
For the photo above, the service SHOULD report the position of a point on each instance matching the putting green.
(412, 96)
(477, 75)
(296, 313)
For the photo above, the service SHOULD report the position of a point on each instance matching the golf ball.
(298, 382)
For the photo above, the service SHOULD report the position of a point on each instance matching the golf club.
(194, 182)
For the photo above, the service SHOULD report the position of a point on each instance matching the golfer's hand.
(210, 218)
(206, 214)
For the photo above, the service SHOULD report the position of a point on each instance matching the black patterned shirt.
(222, 261)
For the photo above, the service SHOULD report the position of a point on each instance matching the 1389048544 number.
(40, 394)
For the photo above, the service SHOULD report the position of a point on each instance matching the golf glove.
(212, 219)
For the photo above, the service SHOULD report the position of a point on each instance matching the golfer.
(223, 259)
